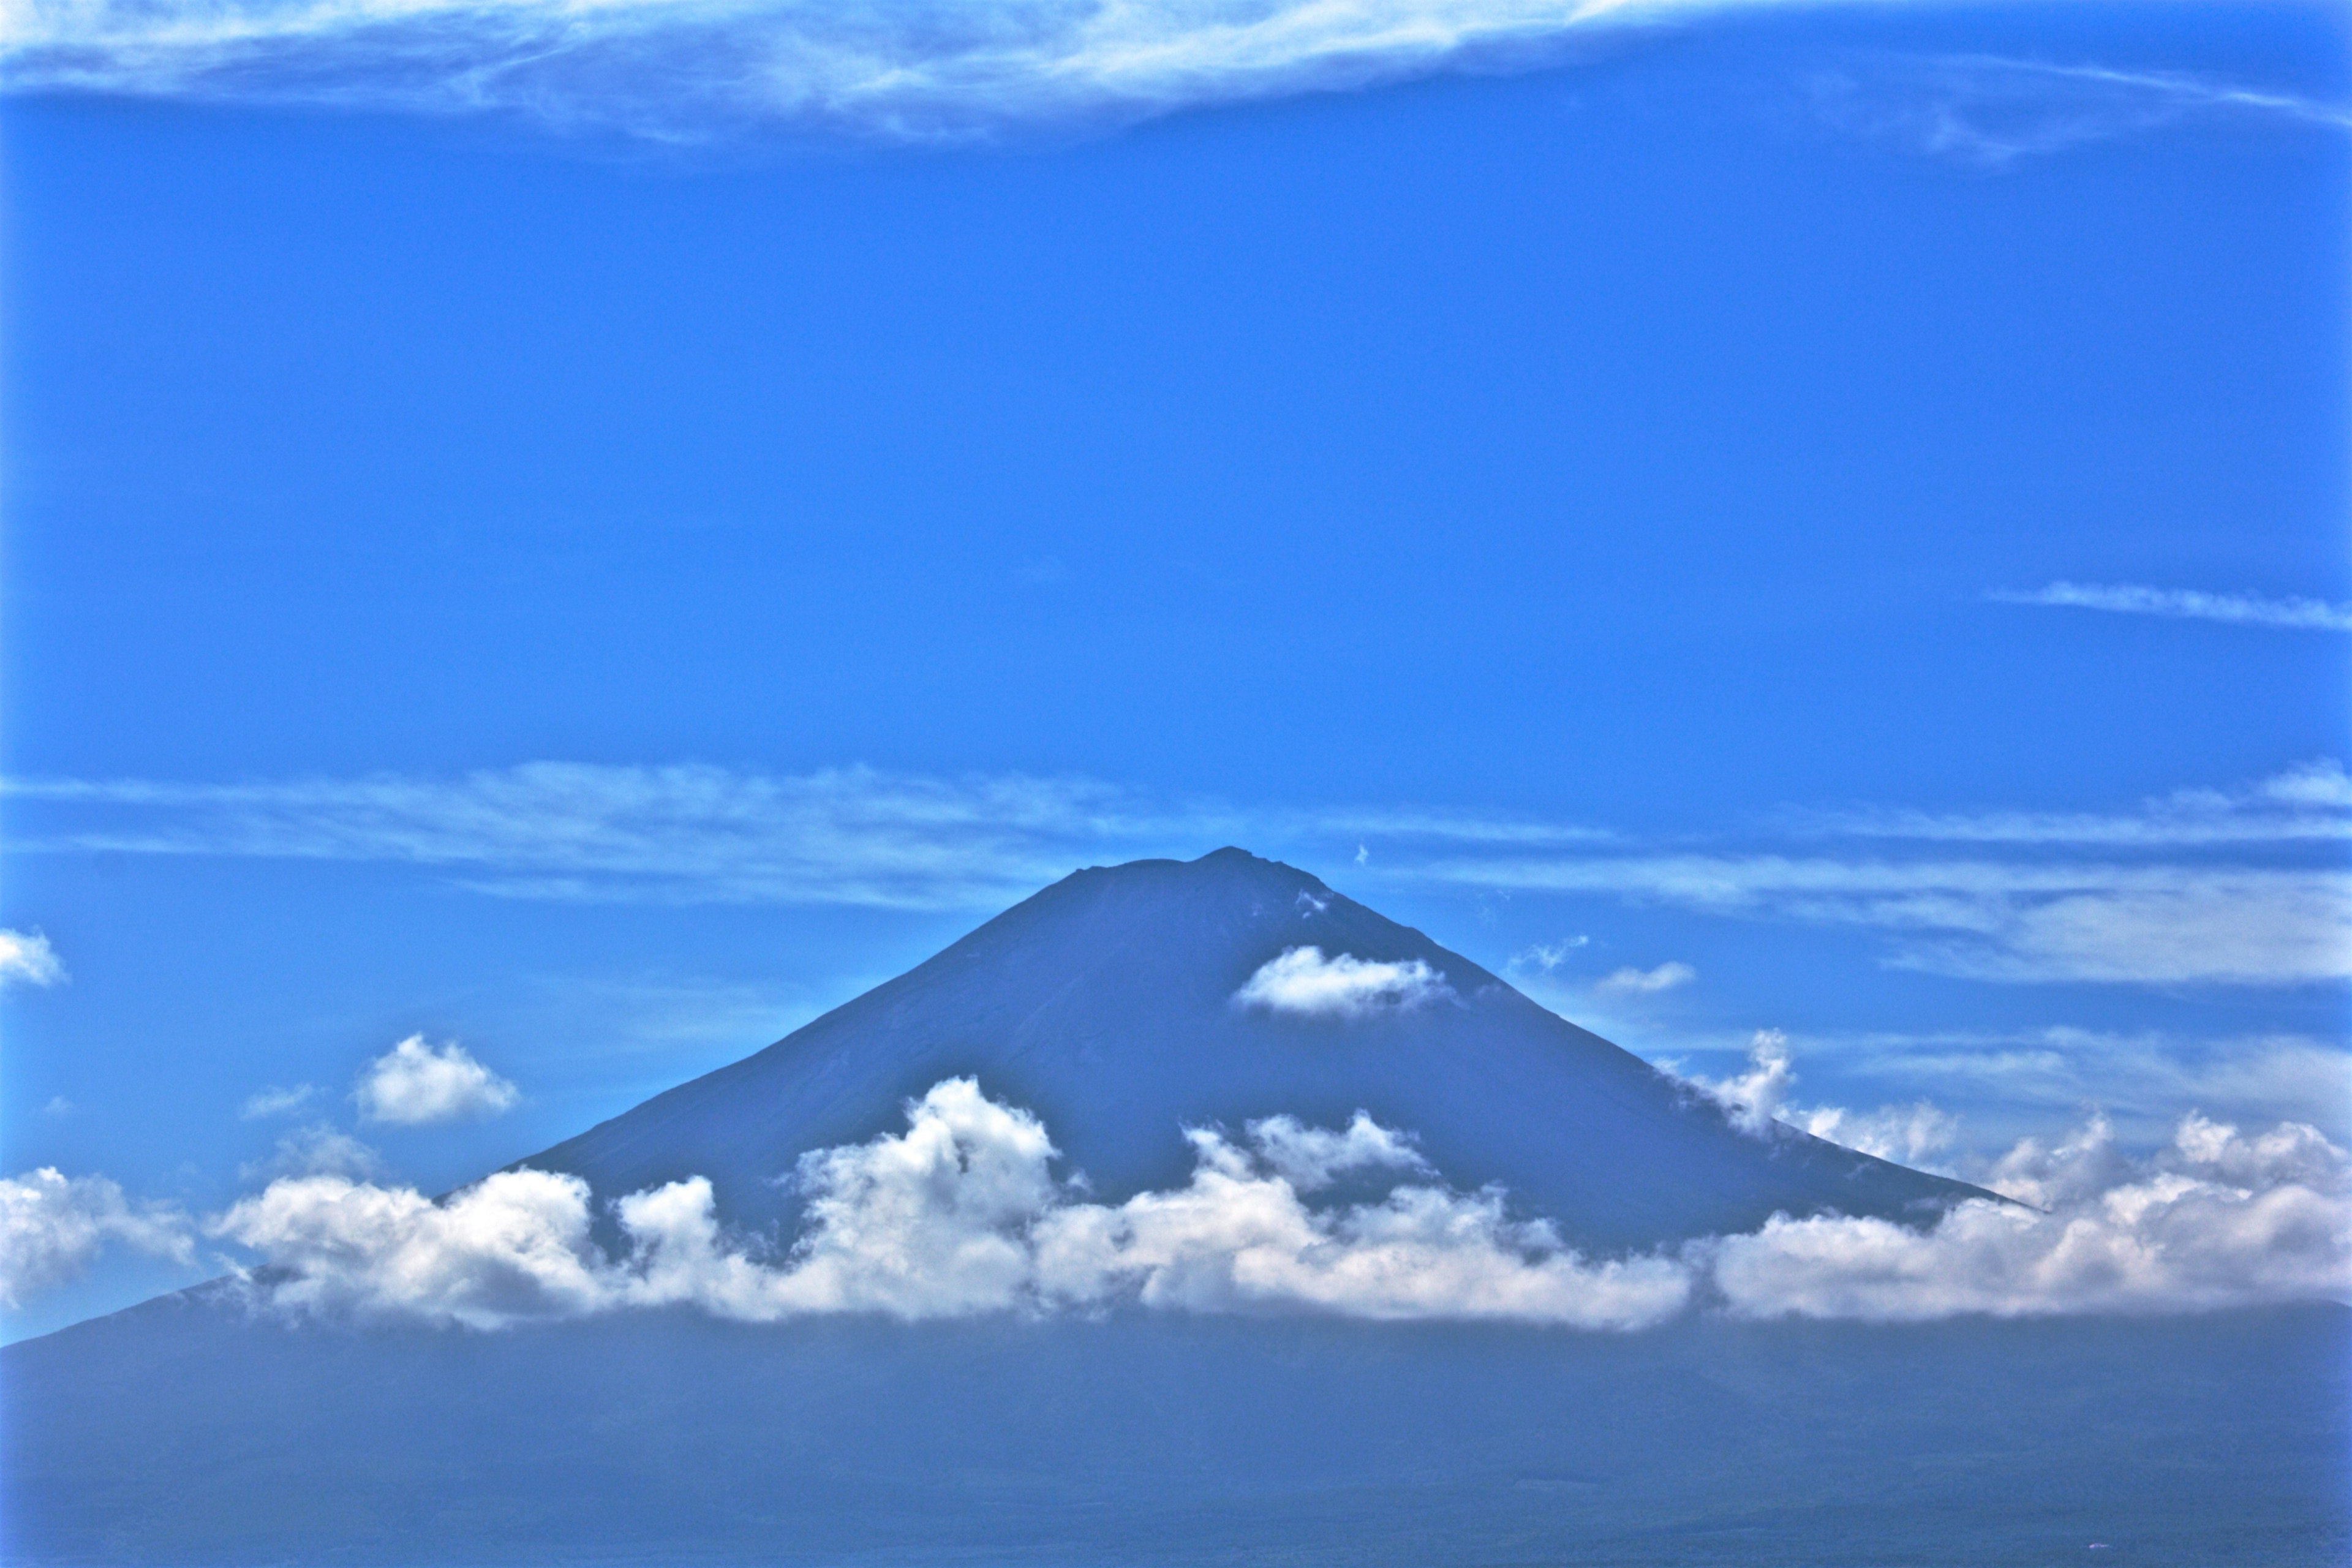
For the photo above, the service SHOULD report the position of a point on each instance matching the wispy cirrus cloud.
(2186, 603)
(2139, 1078)
(2312, 801)
(1990, 112)
(2155, 901)
(1632, 982)
(685, 69)
(2034, 920)
(690, 833)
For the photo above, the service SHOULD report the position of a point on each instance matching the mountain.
(196, 1431)
(1107, 1004)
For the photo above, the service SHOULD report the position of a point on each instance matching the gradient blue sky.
(1832, 518)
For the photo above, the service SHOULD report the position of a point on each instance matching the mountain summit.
(1124, 1004)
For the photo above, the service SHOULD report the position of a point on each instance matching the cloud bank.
(53, 1226)
(1303, 983)
(2191, 603)
(415, 1083)
(962, 1214)
(959, 1215)
(2220, 1220)
(684, 68)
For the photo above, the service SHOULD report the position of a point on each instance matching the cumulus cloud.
(963, 1213)
(415, 1083)
(53, 1226)
(685, 69)
(959, 1214)
(2220, 1220)
(511, 1247)
(1305, 984)
(1759, 1105)
(27, 959)
(1632, 982)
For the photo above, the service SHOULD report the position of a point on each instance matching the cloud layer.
(962, 1214)
(1303, 983)
(959, 1214)
(415, 1083)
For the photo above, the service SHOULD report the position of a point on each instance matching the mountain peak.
(1124, 1004)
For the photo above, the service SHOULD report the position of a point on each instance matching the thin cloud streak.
(1994, 920)
(2310, 802)
(2186, 604)
(1989, 112)
(860, 837)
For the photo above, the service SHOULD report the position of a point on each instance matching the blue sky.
(1822, 520)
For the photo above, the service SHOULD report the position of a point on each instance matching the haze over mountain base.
(179, 1433)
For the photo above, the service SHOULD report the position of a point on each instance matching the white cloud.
(275, 1101)
(510, 1248)
(414, 1083)
(962, 1214)
(687, 68)
(27, 959)
(1303, 983)
(2218, 1220)
(1547, 956)
(317, 1149)
(53, 1226)
(2190, 604)
(1632, 982)
(1759, 1105)
(959, 1214)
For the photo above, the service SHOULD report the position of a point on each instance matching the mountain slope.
(1107, 1004)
